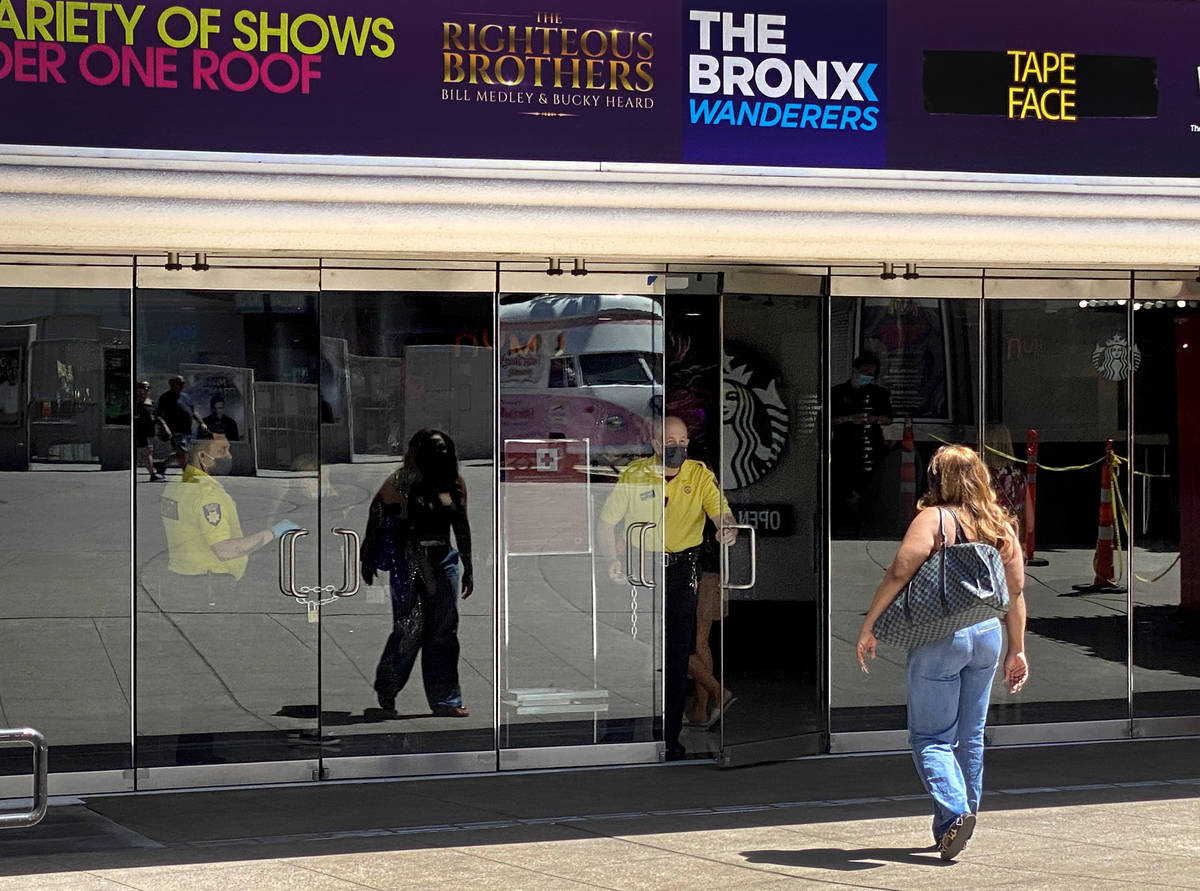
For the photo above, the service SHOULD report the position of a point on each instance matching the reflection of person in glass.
(177, 411)
(950, 679)
(146, 426)
(408, 535)
(859, 409)
(204, 535)
(684, 491)
(219, 422)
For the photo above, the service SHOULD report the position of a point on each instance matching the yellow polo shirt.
(690, 495)
(197, 513)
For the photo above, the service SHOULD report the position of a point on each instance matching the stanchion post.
(1031, 469)
(908, 473)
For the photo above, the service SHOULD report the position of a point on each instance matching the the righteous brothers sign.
(1028, 86)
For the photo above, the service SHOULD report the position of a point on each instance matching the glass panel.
(64, 523)
(1165, 508)
(1076, 632)
(227, 665)
(771, 471)
(581, 654)
(892, 361)
(396, 369)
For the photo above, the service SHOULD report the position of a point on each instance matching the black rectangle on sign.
(767, 519)
(963, 82)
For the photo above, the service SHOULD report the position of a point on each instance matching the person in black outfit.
(219, 422)
(146, 425)
(859, 409)
(176, 409)
(408, 535)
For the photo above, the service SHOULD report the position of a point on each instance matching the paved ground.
(1102, 816)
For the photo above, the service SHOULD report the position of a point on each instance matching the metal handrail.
(41, 796)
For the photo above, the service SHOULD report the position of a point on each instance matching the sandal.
(719, 711)
(450, 711)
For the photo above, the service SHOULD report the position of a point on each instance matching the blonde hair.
(959, 478)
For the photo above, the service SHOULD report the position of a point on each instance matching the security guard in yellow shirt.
(204, 536)
(676, 494)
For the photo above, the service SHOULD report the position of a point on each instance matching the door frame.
(526, 277)
(810, 283)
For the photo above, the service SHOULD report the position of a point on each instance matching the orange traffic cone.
(1102, 561)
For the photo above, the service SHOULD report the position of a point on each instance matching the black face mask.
(674, 455)
(220, 467)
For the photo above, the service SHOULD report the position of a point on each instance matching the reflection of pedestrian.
(408, 535)
(676, 494)
(1008, 476)
(950, 680)
(146, 426)
(204, 535)
(859, 409)
(219, 422)
(176, 409)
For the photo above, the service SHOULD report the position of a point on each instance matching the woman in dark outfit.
(408, 534)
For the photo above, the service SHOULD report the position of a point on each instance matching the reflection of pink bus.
(581, 366)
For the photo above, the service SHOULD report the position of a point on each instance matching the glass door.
(227, 523)
(765, 612)
(580, 377)
(65, 428)
(407, 399)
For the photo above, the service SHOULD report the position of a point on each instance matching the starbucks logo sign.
(1115, 358)
(754, 418)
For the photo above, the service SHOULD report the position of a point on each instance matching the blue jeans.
(949, 684)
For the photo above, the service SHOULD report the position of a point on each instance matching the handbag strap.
(941, 556)
(942, 562)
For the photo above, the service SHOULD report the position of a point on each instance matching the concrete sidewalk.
(1099, 815)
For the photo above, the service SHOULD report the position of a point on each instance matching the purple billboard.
(1049, 87)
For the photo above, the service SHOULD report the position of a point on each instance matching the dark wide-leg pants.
(681, 599)
(436, 585)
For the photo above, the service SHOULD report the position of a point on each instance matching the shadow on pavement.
(853, 860)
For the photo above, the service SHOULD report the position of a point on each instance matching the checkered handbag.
(958, 586)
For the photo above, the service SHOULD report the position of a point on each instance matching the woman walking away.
(408, 534)
(949, 680)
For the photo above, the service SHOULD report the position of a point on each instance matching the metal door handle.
(640, 579)
(40, 790)
(350, 548)
(753, 557)
(642, 555)
(287, 561)
(629, 576)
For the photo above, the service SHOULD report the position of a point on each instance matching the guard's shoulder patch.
(169, 508)
(212, 514)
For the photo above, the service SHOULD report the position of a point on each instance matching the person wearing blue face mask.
(859, 410)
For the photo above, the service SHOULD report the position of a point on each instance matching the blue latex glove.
(284, 526)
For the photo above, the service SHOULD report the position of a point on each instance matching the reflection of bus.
(581, 366)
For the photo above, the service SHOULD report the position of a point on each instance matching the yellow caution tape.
(1121, 515)
(1016, 460)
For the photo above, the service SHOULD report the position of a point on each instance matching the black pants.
(681, 598)
(436, 586)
